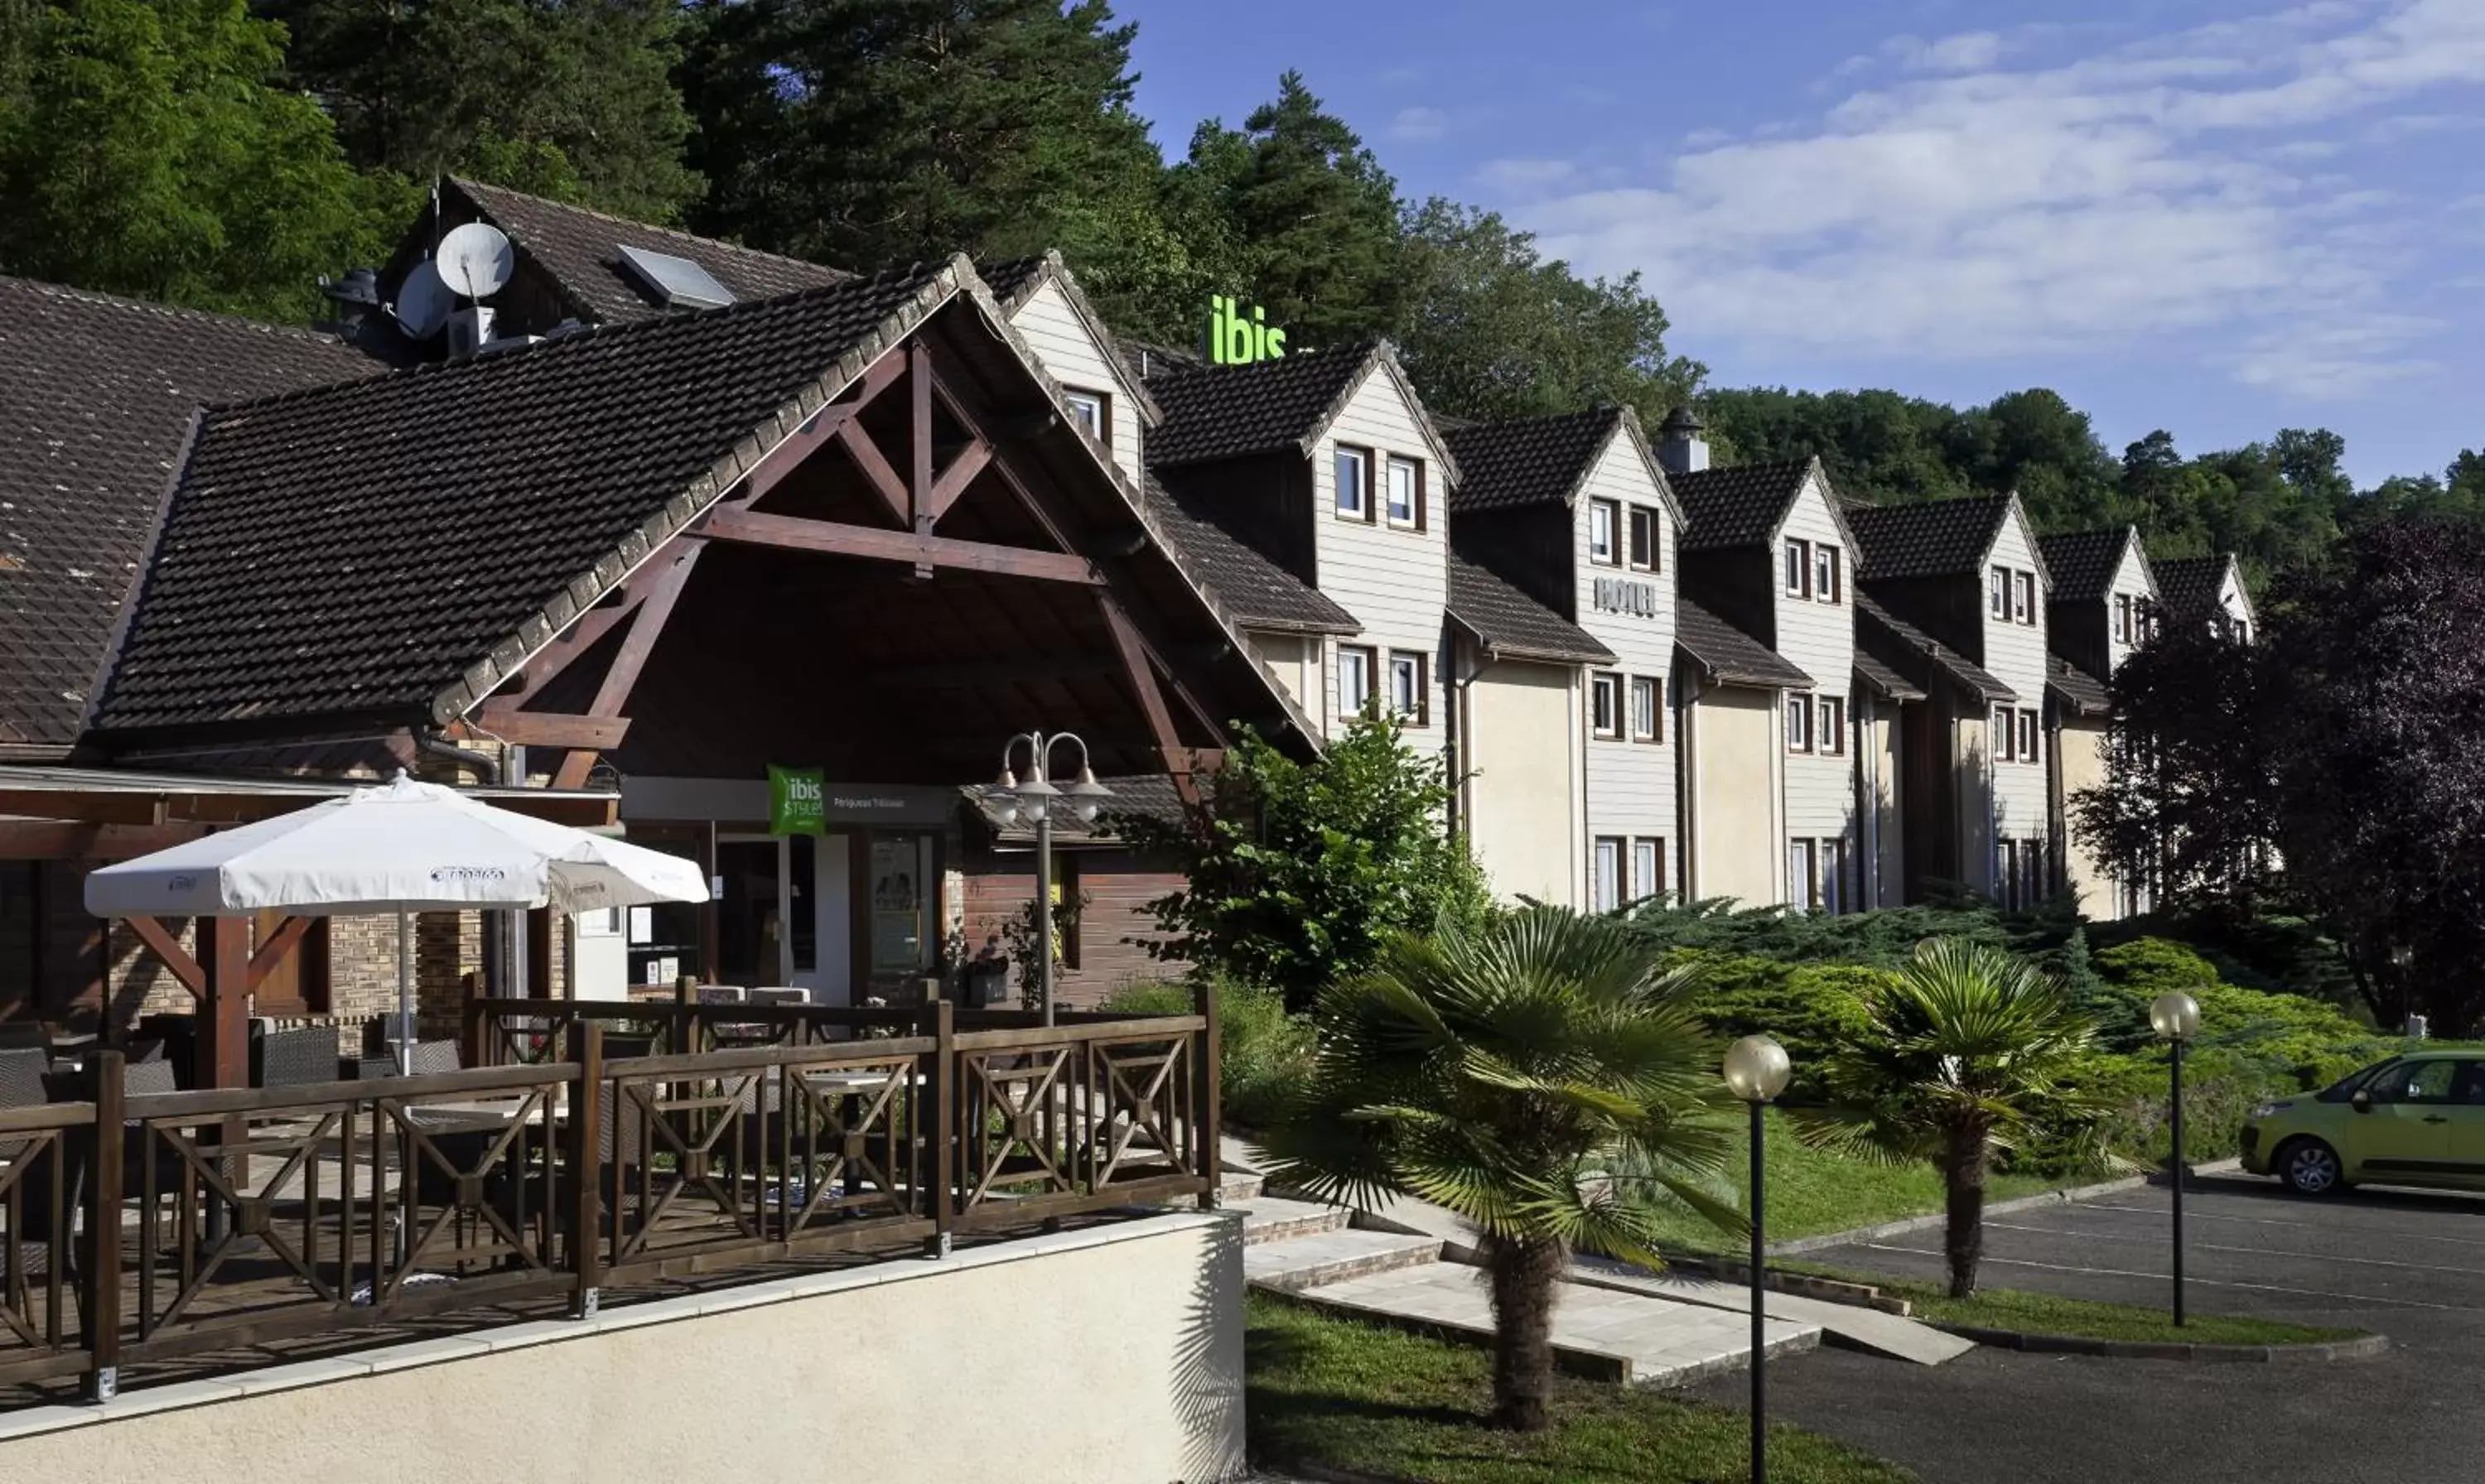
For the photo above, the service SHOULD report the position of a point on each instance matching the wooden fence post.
(586, 1162)
(99, 1312)
(482, 1048)
(942, 1085)
(1208, 1094)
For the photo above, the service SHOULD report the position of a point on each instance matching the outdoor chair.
(284, 1059)
(25, 1035)
(780, 994)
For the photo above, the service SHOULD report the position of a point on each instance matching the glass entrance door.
(753, 946)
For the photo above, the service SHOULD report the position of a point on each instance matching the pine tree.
(146, 149)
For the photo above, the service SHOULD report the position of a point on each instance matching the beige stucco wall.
(1879, 787)
(1112, 1354)
(2080, 753)
(1736, 844)
(1521, 752)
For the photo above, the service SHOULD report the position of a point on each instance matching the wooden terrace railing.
(138, 1228)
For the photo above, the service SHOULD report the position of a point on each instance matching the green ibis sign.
(1237, 338)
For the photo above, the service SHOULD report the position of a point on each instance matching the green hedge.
(1265, 1049)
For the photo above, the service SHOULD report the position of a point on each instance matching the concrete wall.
(1112, 1356)
(2016, 654)
(1630, 784)
(1395, 580)
(1294, 662)
(1070, 354)
(1880, 790)
(1524, 725)
(1972, 767)
(1736, 841)
(2080, 757)
(1819, 638)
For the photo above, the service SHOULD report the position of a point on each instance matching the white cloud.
(1419, 126)
(2111, 194)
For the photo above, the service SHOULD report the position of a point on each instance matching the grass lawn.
(2044, 1313)
(1351, 1396)
(1812, 1191)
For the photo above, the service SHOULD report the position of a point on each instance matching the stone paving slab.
(1332, 1256)
(1276, 1219)
(1866, 1329)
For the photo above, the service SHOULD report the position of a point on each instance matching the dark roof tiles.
(1730, 655)
(2080, 693)
(2083, 562)
(1230, 412)
(1892, 636)
(96, 395)
(1738, 505)
(1511, 625)
(1934, 538)
(1885, 680)
(1533, 461)
(2188, 585)
(1252, 591)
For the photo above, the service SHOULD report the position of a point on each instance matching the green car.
(2414, 1120)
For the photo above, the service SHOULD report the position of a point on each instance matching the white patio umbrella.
(404, 848)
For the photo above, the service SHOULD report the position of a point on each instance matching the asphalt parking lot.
(2408, 1264)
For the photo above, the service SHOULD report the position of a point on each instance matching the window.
(2023, 602)
(1798, 569)
(1798, 723)
(1353, 679)
(1648, 867)
(1645, 693)
(1604, 705)
(1643, 539)
(1833, 876)
(1802, 888)
(1833, 725)
(2243, 631)
(2414, 1082)
(2006, 731)
(2006, 887)
(1407, 494)
(2029, 724)
(2122, 618)
(1353, 483)
(1825, 573)
(1092, 411)
(1608, 886)
(1407, 697)
(1997, 594)
(1601, 514)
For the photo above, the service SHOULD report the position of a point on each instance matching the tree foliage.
(1299, 872)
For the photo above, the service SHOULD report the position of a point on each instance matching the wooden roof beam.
(830, 538)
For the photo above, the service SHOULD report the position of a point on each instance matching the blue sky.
(2220, 217)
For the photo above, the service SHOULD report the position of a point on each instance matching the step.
(1849, 1326)
(1276, 1219)
(1239, 1186)
(1303, 1262)
(1600, 1333)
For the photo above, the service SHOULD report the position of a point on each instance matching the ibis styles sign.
(1237, 338)
(798, 800)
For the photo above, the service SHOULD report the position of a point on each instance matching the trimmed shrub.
(1810, 1009)
(1264, 1048)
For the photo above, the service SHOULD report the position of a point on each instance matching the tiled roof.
(1252, 591)
(1886, 681)
(96, 395)
(1727, 655)
(1878, 626)
(1934, 538)
(363, 550)
(1011, 279)
(1511, 625)
(1738, 506)
(2187, 585)
(1534, 461)
(2082, 694)
(1230, 412)
(2083, 562)
(580, 249)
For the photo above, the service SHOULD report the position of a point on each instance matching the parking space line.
(2198, 1215)
(2199, 1283)
(2251, 1251)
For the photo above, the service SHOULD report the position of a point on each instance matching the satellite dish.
(475, 259)
(422, 302)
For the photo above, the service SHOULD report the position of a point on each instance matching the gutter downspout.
(486, 768)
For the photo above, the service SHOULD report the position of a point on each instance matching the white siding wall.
(1819, 638)
(2235, 601)
(1630, 784)
(1396, 582)
(2131, 582)
(1072, 357)
(2016, 654)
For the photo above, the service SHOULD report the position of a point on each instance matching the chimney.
(1679, 446)
(351, 300)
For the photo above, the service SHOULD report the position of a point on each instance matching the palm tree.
(1967, 1050)
(1540, 1076)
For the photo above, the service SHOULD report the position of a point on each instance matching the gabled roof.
(2084, 563)
(1885, 680)
(1741, 505)
(1535, 461)
(1728, 656)
(1233, 412)
(2189, 585)
(2079, 693)
(1931, 538)
(1252, 591)
(1018, 279)
(580, 251)
(1903, 647)
(1509, 625)
(96, 398)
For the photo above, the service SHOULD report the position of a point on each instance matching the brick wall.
(998, 888)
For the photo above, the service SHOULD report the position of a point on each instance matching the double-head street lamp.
(1036, 800)
(1757, 1070)
(2177, 1018)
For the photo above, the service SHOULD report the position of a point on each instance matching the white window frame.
(1605, 705)
(1408, 664)
(1829, 726)
(2006, 867)
(1798, 722)
(2004, 745)
(2023, 598)
(2122, 618)
(1798, 569)
(1647, 866)
(1361, 460)
(1413, 519)
(1802, 885)
(1832, 865)
(1827, 585)
(1094, 411)
(1997, 594)
(2032, 727)
(1605, 520)
(1653, 690)
(1641, 518)
(1355, 663)
(1606, 862)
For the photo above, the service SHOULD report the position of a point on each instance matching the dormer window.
(1602, 517)
(1406, 493)
(1643, 539)
(2122, 618)
(1092, 411)
(2023, 602)
(1353, 483)
(1798, 569)
(1996, 600)
(1825, 573)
